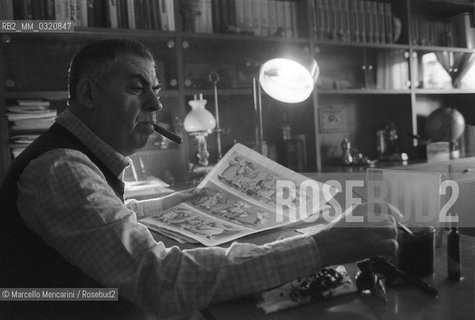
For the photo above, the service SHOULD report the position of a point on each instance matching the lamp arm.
(257, 96)
(214, 77)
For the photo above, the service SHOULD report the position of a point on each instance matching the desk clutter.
(324, 284)
(371, 280)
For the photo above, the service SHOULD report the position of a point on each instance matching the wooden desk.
(456, 300)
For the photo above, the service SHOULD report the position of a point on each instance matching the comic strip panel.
(185, 220)
(219, 203)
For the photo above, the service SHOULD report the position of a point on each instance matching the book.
(165, 26)
(81, 13)
(99, 15)
(61, 9)
(171, 14)
(240, 198)
(461, 31)
(368, 19)
(256, 17)
(328, 19)
(248, 16)
(131, 14)
(355, 21)
(381, 23)
(280, 14)
(264, 18)
(288, 27)
(216, 16)
(33, 103)
(111, 13)
(388, 22)
(33, 124)
(6, 10)
(90, 13)
(272, 17)
(346, 20)
(36, 115)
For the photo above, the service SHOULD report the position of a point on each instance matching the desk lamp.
(289, 78)
(199, 122)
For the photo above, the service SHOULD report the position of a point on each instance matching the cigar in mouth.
(168, 134)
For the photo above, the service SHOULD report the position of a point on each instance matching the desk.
(456, 300)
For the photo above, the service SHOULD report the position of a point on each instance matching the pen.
(168, 134)
(404, 228)
(421, 284)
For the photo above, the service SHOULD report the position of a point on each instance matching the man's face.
(127, 103)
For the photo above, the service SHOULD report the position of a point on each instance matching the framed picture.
(332, 119)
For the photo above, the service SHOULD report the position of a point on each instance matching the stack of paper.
(27, 119)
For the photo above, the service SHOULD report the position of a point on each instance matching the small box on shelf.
(438, 151)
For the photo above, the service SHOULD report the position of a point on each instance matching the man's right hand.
(346, 242)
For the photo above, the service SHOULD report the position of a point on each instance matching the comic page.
(240, 197)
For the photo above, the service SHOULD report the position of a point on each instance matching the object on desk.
(291, 153)
(469, 137)
(416, 251)
(453, 254)
(369, 282)
(326, 283)
(347, 158)
(394, 277)
(381, 143)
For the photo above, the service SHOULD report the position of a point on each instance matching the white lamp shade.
(289, 80)
(199, 119)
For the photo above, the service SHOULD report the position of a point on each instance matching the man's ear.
(84, 93)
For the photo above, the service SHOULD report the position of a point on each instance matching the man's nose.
(153, 103)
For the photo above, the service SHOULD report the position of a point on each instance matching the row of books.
(127, 14)
(392, 70)
(355, 20)
(427, 32)
(27, 119)
(254, 17)
(456, 31)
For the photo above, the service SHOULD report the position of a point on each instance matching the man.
(65, 208)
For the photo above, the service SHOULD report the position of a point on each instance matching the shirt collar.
(112, 159)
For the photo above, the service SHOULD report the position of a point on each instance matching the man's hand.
(190, 194)
(346, 242)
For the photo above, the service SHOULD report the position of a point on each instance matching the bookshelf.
(374, 76)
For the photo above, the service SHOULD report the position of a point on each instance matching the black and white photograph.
(237, 159)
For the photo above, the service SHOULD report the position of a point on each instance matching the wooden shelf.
(242, 37)
(101, 32)
(442, 49)
(362, 44)
(221, 92)
(63, 95)
(444, 91)
(361, 91)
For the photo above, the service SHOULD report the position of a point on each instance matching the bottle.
(347, 158)
(286, 128)
(453, 254)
